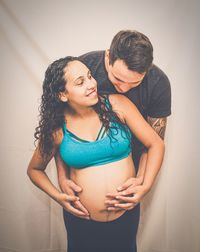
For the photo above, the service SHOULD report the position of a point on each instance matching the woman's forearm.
(41, 180)
(154, 160)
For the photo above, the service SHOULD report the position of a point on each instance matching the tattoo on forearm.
(159, 125)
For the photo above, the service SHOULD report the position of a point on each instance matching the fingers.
(72, 204)
(121, 202)
(125, 206)
(135, 199)
(79, 205)
(69, 187)
(75, 187)
(126, 199)
(121, 206)
(71, 197)
(116, 205)
(116, 209)
(125, 185)
(77, 212)
(112, 195)
(130, 190)
(130, 182)
(111, 202)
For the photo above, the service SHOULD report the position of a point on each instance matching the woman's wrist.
(57, 197)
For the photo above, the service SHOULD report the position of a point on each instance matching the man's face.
(122, 78)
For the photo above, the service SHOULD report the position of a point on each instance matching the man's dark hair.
(134, 48)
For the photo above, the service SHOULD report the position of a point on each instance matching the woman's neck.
(81, 113)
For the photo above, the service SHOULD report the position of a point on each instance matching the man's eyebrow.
(125, 81)
(118, 78)
(89, 72)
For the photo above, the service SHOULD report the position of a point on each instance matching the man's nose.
(123, 86)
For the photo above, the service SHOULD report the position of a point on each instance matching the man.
(126, 68)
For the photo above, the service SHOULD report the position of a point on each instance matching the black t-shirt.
(152, 97)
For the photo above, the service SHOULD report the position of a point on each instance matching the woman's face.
(81, 87)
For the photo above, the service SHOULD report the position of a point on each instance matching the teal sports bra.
(108, 147)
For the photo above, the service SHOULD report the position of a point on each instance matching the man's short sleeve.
(160, 102)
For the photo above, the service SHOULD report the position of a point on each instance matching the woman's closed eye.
(80, 82)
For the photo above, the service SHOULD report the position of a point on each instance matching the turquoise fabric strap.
(100, 135)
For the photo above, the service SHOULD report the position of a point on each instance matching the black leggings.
(95, 236)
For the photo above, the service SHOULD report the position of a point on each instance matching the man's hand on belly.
(128, 195)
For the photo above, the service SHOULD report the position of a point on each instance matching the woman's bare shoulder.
(123, 105)
(119, 101)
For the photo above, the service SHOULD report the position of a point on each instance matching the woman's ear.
(63, 96)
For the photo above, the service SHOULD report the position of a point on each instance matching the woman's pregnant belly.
(97, 181)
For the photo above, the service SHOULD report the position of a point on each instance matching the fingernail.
(119, 188)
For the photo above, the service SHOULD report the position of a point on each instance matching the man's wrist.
(140, 178)
(147, 186)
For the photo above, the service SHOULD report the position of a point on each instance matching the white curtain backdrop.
(33, 34)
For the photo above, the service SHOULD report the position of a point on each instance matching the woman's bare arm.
(147, 136)
(154, 144)
(37, 174)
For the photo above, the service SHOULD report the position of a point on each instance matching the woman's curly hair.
(52, 109)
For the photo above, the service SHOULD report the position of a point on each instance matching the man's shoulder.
(156, 76)
(92, 56)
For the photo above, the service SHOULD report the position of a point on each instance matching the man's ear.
(63, 96)
(107, 53)
(107, 57)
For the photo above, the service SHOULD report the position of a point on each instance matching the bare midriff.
(97, 181)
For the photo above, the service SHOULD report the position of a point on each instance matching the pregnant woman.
(92, 134)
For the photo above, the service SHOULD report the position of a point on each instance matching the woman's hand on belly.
(68, 199)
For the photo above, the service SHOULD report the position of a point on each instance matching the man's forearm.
(142, 166)
(159, 125)
(154, 161)
(62, 170)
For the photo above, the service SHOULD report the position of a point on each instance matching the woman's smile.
(92, 93)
